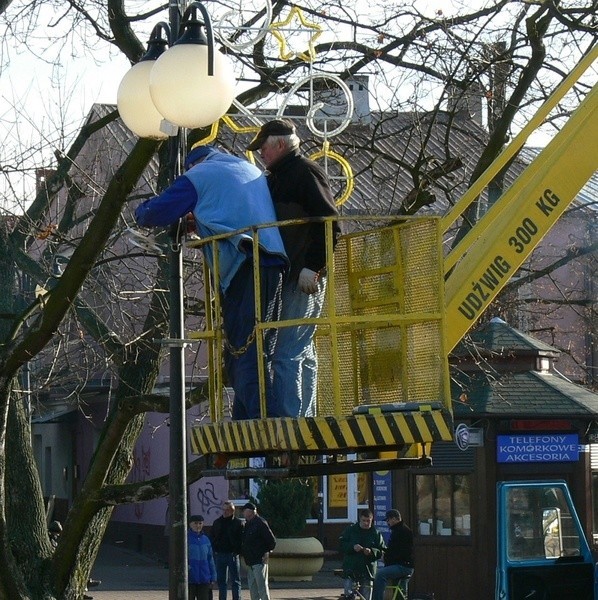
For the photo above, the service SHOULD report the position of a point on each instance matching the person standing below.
(398, 557)
(300, 190)
(202, 571)
(226, 193)
(227, 536)
(362, 546)
(258, 542)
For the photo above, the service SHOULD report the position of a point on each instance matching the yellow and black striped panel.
(361, 432)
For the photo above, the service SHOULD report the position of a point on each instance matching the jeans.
(295, 363)
(257, 581)
(240, 353)
(389, 572)
(227, 568)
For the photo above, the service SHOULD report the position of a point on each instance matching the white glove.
(308, 281)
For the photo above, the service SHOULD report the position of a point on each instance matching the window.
(443, 504)
(540, 525)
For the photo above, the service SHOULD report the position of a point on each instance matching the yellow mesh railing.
(387, 303)
(380, 338)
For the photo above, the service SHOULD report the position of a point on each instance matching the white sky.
(35, 95)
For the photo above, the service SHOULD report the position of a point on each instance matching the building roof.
(526, 394)
(588, 195)
(530, 394)
(498, 338)
(390, 155)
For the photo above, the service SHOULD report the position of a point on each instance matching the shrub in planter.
(286, 505)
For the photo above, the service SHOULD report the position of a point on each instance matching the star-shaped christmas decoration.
(276, 29)
(233, 126)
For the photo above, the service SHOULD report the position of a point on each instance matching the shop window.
(443, 504)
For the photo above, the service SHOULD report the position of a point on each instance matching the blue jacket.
(225, 193)
(201, 558)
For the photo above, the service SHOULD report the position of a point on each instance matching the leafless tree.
(64, 264)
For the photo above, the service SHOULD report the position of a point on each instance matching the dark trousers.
(228, 570)
(240, 355)
(200, 591)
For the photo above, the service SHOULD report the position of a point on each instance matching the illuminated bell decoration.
(135, 104)
(182, 90)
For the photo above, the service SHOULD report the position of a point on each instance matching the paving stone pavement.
(127, 575)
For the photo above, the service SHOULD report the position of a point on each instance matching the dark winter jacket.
(257, 540)
(400, 546)
(356, 564)
(227, 534)
(300, 189)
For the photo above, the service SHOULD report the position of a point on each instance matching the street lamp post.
(188, 85)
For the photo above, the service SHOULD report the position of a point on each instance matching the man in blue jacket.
(226, 193)
(202, 571)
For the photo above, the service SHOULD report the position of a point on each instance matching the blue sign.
(382, 484)
(537, 448)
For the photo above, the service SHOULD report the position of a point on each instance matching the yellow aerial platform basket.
(383, 383)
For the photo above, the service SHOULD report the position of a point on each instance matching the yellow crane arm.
(498, 244)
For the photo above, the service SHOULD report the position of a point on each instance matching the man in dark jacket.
(258, 542)
(362, 546)
(226, 536)
(398, 558)
(300, 190)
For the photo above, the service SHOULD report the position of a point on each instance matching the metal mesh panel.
(384, 303)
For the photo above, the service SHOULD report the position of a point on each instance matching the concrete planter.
(295, 559)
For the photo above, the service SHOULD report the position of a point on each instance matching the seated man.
(362, 545)
(398, 557)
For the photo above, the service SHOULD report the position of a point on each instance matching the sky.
(57, 99)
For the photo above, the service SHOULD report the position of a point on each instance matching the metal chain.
(236, 352)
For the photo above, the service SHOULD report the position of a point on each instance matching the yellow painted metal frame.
(416, 419)
(489, 255)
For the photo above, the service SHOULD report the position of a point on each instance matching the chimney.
(468, 102)
(335, 103)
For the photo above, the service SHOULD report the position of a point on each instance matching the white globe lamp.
(133, 99)
(135, 105)
(190, 84)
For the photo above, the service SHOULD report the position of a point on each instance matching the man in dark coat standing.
(300, 190)
(398, 557)
(258, 542)
(227, 536)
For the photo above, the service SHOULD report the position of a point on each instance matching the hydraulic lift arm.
(478, 268)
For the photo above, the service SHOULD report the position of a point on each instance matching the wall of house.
(53, 451)
(144, 526)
